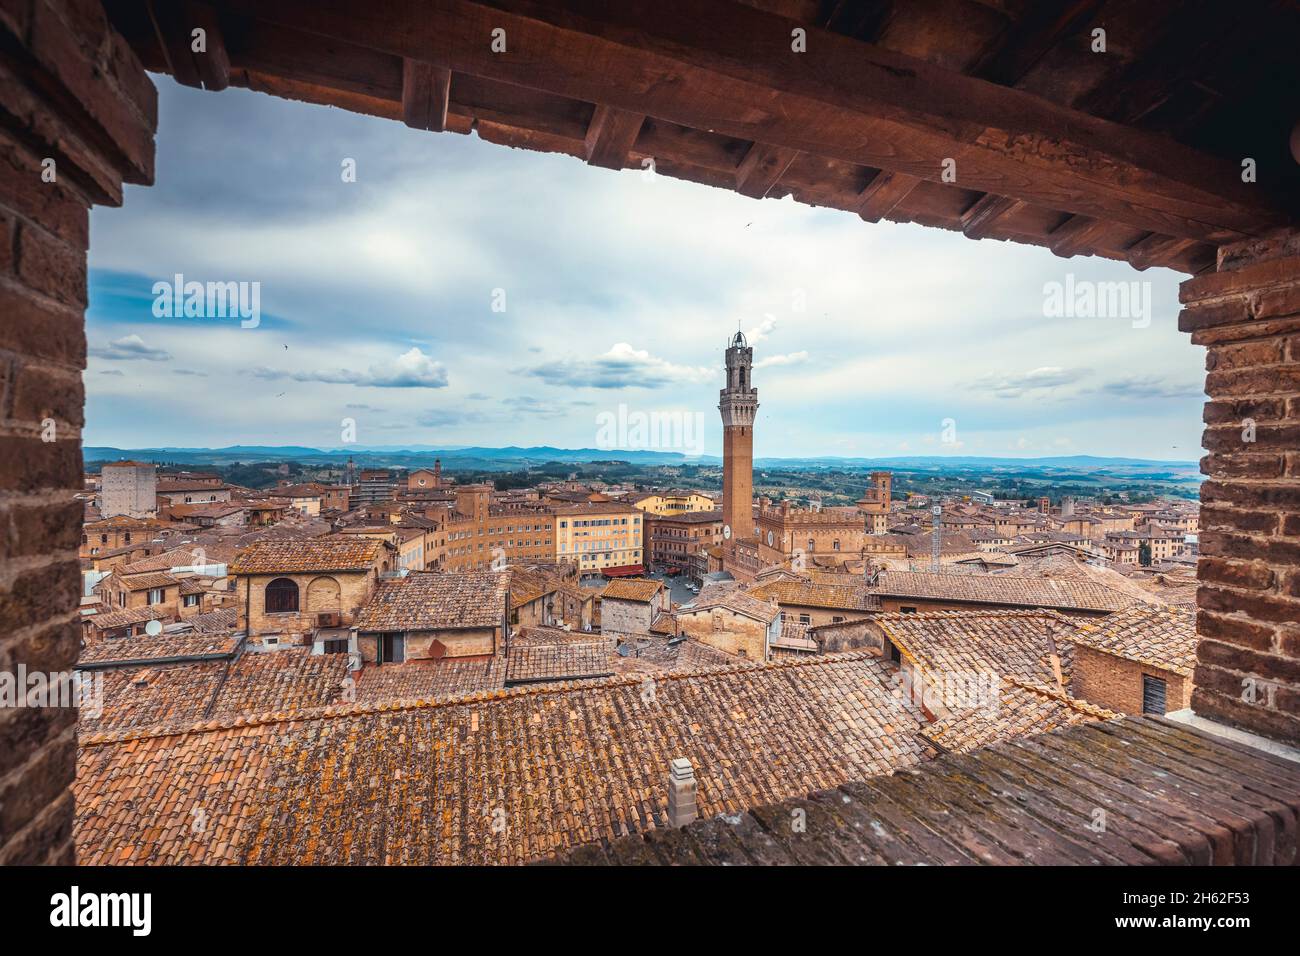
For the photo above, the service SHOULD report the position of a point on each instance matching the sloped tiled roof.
(1009, 644)
(213, 621)
(1022, 708)
(528, 585)
(534, 661)
(1163, 637)
(1058, 593)
(182, 557)
(505, 777)
(153, 696)
(284, 680)
(147, 581)
(733, 599)
(427, 680)
(160, 695)
(119, 650)
(437, 600)
(809, 594)
(288, 556)
(631, 589)
(125, 616)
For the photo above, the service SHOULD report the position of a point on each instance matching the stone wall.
(727, 631)
(77, 118)
(1247, 315)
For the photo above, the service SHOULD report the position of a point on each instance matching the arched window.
(812, 544)
(281, 595)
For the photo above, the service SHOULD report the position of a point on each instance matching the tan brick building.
(738, 404)
(477, 535)
(434, 615)
(672, 540)
(1137, 661)
(814, 604)
(289, 591)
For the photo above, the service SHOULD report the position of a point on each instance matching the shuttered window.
(1153, 695)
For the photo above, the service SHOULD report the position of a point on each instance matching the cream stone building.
(673, 502)
(128, 488)
(732, 621)
(598, 536)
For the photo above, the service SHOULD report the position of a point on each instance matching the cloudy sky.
(459, 293)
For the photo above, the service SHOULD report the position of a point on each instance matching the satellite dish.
(153, 628)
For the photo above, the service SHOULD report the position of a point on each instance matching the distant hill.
(514, 457)
(452, 457)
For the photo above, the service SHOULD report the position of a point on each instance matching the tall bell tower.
(738, 403)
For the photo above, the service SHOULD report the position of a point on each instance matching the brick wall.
(76, 106)
(1247, 314)
(1116, 682)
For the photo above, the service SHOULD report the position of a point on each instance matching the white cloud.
(791, 358)
(621, 367)
(1018, 384)
(130, 347)
(412, 369)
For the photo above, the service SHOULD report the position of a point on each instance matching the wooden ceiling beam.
(1075, 235)
(175, 24)
(426, 91)
(984, 213)
(884, 194)
(1154, 250)
(1029, 39)
(762, 168)
(611, 136)
(727, 67)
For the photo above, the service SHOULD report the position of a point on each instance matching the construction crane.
(936, 536)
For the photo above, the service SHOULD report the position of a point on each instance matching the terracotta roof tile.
(117, 650)
(809, 594)
(563, 660)
(437, 600)
(1022, 708)
(123, 617)
(286, 556)
(504, 777)
(1058, 593)
(1163, 637)
(430, 679)
(631, 589)
(212, 622)
(154, 697)
(1008, 644)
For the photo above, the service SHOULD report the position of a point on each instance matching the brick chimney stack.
(681, 793)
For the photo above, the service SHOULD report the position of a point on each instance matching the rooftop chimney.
(681, 792)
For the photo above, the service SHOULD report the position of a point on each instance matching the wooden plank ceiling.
(993, 117)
